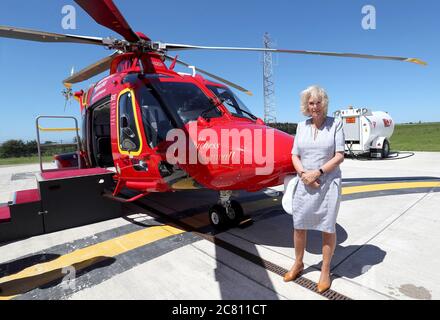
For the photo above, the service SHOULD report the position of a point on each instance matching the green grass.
(416, 137)
(25, 160)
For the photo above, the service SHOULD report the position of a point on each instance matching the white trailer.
(366, 131)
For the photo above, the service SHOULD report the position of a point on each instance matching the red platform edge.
(62, 174)
(5, 214)
(26, 196)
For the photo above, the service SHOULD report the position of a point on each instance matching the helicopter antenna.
(67, 92)
(268, 82)
(193, 68)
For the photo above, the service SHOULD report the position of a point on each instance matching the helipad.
(164, 248)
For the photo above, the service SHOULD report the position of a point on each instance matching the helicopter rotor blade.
(90, 71)
(108, 15)
(42, 36)
(229, 83)
(172, 46)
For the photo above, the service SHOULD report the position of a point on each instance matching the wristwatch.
(322, 171)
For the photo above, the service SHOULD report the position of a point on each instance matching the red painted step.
(62, 174)
(26, 196)
(5, 214)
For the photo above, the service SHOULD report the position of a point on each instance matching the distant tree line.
(287, 127)
(19, 149)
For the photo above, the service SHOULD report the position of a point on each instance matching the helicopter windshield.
(186, 99)
(235, 106)
(156, 121)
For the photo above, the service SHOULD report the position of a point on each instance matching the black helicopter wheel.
(237, 213)
(218, 217)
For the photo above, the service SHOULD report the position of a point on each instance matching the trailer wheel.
(385, 149)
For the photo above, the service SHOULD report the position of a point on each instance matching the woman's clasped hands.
(310, 178)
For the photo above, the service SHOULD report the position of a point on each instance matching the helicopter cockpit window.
(187, 100)
(156, 122)
(128, 135)
(235, 106)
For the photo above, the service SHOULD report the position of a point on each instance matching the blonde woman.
(317, 153)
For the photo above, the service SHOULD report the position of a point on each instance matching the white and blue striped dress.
(317, 209)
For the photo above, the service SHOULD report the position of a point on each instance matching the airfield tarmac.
(164, 248)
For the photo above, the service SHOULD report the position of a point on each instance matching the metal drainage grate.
(301, 281)
(23, 176)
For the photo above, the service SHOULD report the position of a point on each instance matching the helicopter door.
(131, 140)
(100, 133)
(129, 137)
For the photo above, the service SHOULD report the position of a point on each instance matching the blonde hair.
(315, 92)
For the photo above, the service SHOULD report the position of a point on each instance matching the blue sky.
(31, 72)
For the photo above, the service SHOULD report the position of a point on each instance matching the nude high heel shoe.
(324, 286)
(292, 275)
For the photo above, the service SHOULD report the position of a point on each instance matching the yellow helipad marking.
(40, 274)
(390, 186)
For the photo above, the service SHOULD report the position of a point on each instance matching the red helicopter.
(130, 115)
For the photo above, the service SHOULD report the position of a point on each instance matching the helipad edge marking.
(389, 186)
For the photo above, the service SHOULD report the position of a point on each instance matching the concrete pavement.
(387, 245)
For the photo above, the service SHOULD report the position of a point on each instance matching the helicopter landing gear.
(226, 213)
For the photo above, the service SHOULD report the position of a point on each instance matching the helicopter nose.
(247, 157)
(282, 153)
(267, 154)
(281, 158)
(272, 161)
